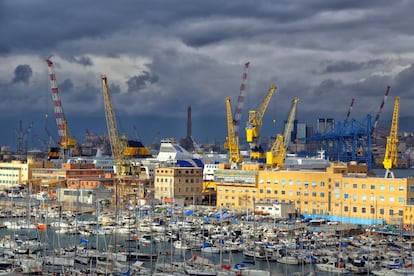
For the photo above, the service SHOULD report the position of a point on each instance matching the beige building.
(179, 185)
(19, 172)
(342, 192)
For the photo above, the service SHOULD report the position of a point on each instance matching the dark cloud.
(22, 73)
(179, 53)
(66, 85)
(349, 66)
(83, 60)
(137, 83)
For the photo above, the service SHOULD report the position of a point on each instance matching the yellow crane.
(276, 156)
(391, 150)
(123, 167)
(232, 141)
(254, 124)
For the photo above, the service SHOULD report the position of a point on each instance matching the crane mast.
(65, 141)
(276, 155)
(349, 109)
(240, 100)
(254, 125)
(118, 145)
(381, 107)
(391, 150)
(232, 141)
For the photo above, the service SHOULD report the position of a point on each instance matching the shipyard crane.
(232, 141)
(240, 101)
(276, 156)
(21, 136)
(254, 125)
(67, 144)
(349, 110)
(391, 150)
(123, 167)
(374, 126)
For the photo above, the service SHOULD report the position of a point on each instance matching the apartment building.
(179, 185)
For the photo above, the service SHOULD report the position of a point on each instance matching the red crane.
(350, 109)
(374, 126)
(66, 142)
(240, 102)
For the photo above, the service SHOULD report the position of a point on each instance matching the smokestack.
(189, 122)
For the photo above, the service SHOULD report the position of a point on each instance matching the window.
(391, 212)
(354, 209)
(346, 186)
(322, 194)
(381, 198)
(290, 182)
(363, 186)
(314, 194)
(276, 181)
(261, 191)
(400, 188)
(372, 186)
(314, 184)
(306, 184)
(363, 210)
(337, 184)
(382, 187)
(322, 184)
(283, 192)
(355, 186)
(391, 187)
(298, 183)
(391, 199)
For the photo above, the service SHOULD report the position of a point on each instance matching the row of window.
(9, 175)
(381, 187)
(10, 182)
(179, 171)
(314, 194)
(178, 180)
(187, 189)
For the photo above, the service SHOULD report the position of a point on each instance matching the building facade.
(181, 185)
(18, 172)
(342, 192)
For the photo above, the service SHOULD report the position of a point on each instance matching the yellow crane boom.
(122, 166)
(232, 141)
(276, 155)
(254, 125)
(391, 150)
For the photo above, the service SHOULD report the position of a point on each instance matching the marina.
(195, 240)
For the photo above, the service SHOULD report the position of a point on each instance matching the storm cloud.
(163, 56)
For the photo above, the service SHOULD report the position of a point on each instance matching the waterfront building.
(341, 192)
(275, 209)
(181, 185)
(18, 172)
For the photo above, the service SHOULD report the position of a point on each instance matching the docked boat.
(332, 267)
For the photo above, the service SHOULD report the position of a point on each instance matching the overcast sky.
(162, 56)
